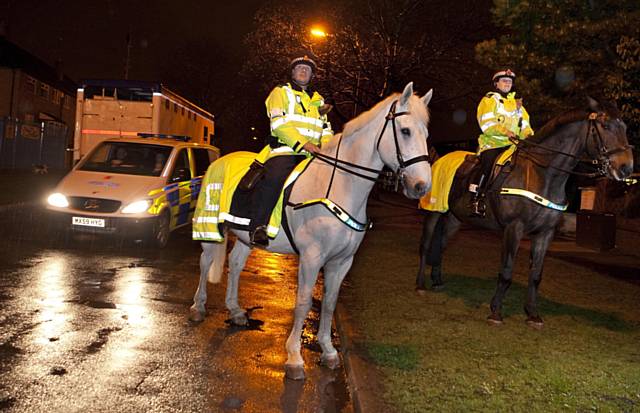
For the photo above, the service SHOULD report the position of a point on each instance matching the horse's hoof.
(535, 322)
(495, 319)
(195, 315)
(437, 287)
(421, 291)
(294, 371)
(332, 362)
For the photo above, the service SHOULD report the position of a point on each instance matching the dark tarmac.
(101, 325)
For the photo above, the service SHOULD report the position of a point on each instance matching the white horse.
(393, 133)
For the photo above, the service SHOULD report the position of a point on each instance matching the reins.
(600, 160)
(349, 167)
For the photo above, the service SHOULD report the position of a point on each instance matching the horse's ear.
(406, 94)
(593, 104)
(427, 98)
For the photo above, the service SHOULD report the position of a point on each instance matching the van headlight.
(58, 200)
(137, 207)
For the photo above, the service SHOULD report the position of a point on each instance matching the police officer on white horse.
(298, 123)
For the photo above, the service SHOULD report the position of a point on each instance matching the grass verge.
(437, 353)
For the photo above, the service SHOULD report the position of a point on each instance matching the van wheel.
(161, 231)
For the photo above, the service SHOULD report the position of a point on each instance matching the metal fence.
(26, 145)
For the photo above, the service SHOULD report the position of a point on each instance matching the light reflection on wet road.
(102, 326)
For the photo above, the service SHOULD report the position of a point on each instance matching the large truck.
(127, 108)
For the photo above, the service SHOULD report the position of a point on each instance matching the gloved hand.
(324, 109)
(311, 148)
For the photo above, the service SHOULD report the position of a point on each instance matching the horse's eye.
(406, 131)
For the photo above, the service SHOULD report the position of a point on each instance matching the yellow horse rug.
(443, 171)
(216, 194)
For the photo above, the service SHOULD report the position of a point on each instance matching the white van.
(141, 187)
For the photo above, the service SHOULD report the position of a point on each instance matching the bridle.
(601, 160)
(390, 118)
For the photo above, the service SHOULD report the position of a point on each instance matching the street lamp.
(318, 32)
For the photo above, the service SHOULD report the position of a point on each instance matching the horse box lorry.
(124, 108)
(140, 152)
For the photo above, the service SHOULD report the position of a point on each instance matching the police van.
(140, 187)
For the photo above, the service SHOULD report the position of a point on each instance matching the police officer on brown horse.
(502, 118)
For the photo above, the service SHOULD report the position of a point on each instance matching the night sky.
(90, 36)
(184, 44)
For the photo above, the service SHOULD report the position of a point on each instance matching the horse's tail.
(219, 255)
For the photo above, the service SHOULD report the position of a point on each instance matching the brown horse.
(540, 165)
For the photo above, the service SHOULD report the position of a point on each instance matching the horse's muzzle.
(421, 188)
(620, 166)
(417, 190)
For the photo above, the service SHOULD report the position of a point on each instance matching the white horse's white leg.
(211, 253)
(334, 273)
(237, 259)
(307, 276)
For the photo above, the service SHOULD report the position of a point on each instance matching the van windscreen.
(127, 158)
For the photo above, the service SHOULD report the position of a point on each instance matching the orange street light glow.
(317, 32)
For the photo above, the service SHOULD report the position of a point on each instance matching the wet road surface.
(102, 326)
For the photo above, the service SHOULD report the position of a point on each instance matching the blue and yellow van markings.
(180, 197)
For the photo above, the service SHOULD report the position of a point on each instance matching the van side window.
(202, 160)
(181, 171)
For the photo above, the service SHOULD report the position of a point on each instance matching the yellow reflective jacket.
(295, 120)
(498, 115)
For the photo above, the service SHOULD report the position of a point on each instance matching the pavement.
(390, 211)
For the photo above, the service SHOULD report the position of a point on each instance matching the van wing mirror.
(181, 174)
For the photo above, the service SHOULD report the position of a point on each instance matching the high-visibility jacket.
(498, 115)
(295, 120)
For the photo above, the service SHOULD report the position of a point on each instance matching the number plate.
(88, 222)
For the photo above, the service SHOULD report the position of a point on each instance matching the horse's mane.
(364, 120)
(557, 122)
(571, 116)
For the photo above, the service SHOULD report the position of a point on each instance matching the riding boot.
(259, 237)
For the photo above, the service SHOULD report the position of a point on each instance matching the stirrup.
(259, 237)
(478, 207)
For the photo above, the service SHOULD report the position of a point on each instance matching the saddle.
(471, 161)
(260, 187)
(499, 160)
